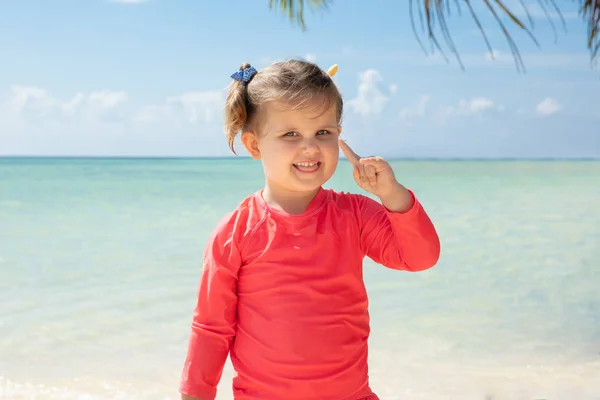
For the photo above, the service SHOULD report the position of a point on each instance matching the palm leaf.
(436, 12)
(590, 9)
(295, 8)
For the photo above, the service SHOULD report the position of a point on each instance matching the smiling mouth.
(311, 166)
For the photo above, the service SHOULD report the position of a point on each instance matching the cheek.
(283, 150)
(331, 148)
(277, 155)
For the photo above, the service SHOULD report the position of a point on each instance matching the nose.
(310, 146)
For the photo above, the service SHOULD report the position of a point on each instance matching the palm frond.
(437, 11)
(590, 9)
(432, 13)
(295, 8)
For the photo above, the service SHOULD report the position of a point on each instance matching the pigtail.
(236, 109)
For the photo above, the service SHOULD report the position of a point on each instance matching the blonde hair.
(294, 82)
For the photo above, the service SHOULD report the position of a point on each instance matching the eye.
(290, 134)
(323, 132)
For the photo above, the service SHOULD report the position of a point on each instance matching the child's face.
(298, 148)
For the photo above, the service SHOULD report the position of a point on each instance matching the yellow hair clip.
(332, 70)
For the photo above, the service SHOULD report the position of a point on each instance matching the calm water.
(100, 258)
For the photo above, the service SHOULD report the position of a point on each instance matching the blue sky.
(147, 78)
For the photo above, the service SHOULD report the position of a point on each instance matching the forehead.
(318, 110)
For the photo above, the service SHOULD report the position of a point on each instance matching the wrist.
(397, 199)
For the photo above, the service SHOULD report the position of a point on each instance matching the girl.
(281, 290)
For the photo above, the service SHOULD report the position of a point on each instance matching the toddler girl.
(281, 289)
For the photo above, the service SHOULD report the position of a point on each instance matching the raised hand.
(376, 176)
(372, 174)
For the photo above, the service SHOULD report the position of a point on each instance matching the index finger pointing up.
(348, 152)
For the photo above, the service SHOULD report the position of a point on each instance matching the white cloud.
(370, 99)
(35, 121)
(548, 106)
(311, 57)
(493, 55)
(152, 113)
(31, 104)
(199, 106)
(417, 110)
(107, 98)
(393, 88)
(35, 102)
(190, 107)
(70, 106)
(34, 99)
(475, 106)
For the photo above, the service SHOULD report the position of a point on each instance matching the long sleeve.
(405, 241)
(214, 319)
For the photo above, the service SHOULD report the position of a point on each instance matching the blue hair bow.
(244, 75)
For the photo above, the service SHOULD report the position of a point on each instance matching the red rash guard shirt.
(284, 296)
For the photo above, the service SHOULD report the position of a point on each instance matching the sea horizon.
(397, 158)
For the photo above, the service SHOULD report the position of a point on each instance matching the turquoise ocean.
(100, 260)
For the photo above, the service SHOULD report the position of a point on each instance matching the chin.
(302, 185)
(313, 184)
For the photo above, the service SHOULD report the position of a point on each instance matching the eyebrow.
(293, 129)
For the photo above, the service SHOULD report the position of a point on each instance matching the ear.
(339, 130)
(250, 142)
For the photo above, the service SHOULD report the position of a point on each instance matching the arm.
(398, 233)
(214, 320)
